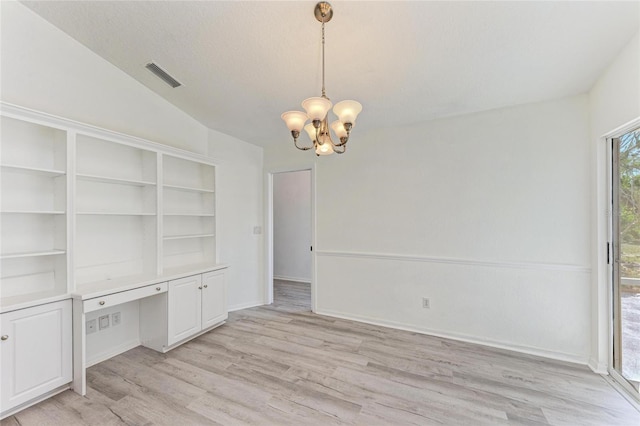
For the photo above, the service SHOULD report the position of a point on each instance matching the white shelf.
(32, 212)
(31, 254)
(13, 303)
(114, 214)
(32, 170)
(182, 237)
(119, 181)
(189, 188)
(191, 214)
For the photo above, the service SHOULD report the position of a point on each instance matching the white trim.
(27, 114)
(458, 261)
(242, 306)
(598, 367)
(625, 389)
(622, 130)
(47, 395)
(529, 350)
(294, 279)
(268, 292)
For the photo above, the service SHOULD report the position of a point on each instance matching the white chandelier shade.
(317, 110)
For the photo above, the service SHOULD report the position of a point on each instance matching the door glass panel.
(626, 291)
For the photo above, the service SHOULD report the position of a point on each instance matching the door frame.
(603, 298)
(268, 293)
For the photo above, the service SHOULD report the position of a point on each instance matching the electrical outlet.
(115, 319)
(426, 303)
(104, 322)
(92, 326)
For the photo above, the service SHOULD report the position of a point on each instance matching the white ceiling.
(244, 63)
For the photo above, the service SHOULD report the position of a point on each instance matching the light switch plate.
(103, 322)
(92, 326)
(115, 318)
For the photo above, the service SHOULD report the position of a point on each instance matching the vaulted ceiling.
(244, 63)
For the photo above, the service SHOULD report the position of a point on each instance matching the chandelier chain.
(324, 95)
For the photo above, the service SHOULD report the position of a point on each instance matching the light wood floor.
(283, 365)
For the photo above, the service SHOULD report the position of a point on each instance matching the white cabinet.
(195, 304)
(214, 298)
(185, 308)
(35, 352)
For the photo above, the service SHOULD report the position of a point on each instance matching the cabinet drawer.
(123, 297)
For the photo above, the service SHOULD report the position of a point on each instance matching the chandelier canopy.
(317, 110)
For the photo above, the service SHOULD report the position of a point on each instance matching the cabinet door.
(214, 298)
(185, 308)
(35, 353)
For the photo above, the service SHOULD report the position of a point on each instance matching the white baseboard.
(47, 395)
(295, 279)
(560, 356)
(98, 358)
(245, 306)
(598, 367)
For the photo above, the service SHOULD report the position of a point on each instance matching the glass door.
(626, 256)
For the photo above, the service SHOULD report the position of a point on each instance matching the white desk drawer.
(123, 297)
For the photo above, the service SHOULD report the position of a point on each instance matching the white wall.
(486, 214)
(239, 208)
(45, 69)
(292, 226)
(613, 101)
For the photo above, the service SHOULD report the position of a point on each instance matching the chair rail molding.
(457, 261)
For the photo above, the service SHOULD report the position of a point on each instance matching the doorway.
(626, 258)
(290, 240)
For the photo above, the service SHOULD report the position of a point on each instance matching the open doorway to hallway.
(292, 240)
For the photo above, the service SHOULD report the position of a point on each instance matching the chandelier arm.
(344, 148)
(302, 148)
(343, 141)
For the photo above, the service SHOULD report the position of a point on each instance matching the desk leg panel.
(79, 348)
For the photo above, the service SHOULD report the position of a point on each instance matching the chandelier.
(317, 110)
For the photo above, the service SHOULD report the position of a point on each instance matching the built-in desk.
(173, 308)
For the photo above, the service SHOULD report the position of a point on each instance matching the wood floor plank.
(283, 365)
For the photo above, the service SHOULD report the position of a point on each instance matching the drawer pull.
(200, 288)
(101, 302)
(158, 289)
(205, 286)
(5, 337)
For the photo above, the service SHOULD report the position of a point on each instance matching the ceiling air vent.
(163, 75)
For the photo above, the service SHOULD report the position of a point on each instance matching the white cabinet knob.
(101, 302)
(5, 337)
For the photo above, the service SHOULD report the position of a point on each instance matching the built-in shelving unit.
(84, 208)
(106, 220)
(188, 208)
(33, 211)
(116, 211)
